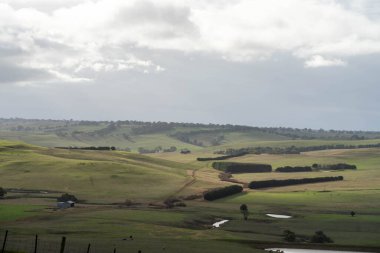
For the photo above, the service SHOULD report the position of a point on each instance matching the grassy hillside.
(160, 135)
(105, 179)
(90, 175)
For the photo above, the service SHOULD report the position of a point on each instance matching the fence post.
(114, 250)
(88, 248)
(5, 241)
(35, 244)
(63, 243)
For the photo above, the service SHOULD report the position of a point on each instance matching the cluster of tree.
(224, 157)
(149, 151)
(318, 237)
(67, 197)
(90, 148)
(294, 169)
(232, 167)
(309, 134)
(294, 149)
(3, 192)
(156, 150)
(287, 182)
(222, 192)
(338, 166)
(171, 149)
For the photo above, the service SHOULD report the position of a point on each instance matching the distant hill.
(159, 136)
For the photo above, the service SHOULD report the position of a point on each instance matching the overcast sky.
(297, 63)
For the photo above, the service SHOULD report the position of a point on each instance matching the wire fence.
(16, 243)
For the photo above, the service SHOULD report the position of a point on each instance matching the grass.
(109, 177)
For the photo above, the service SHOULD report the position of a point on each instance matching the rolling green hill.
(158, 136)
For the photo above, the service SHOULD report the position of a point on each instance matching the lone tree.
(244, 211)
(2, 192)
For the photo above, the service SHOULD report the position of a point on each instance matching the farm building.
(66, 204)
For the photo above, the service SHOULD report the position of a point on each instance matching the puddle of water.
(309, 251)
(217, 224)
(279, 216)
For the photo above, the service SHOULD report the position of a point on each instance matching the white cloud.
(81, 38)
(318, 61)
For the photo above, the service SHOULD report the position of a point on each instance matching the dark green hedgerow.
(287, 182)
(222, 192)
(231, 167)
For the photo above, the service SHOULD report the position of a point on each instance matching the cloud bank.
(76, 41)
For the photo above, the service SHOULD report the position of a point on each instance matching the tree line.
(232, 167)
(224, 157)
(90, 148)
(292, 149)
(287, 182)
(222, 192)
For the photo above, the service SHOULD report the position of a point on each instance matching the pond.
(279, 216)
(217, 224)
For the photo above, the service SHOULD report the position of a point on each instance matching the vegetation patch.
(294, 169)
(287, 182)
(231, 167)
(222, 192)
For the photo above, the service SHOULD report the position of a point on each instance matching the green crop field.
(123, 193)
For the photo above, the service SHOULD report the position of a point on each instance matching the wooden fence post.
(5, 241)
(35, 244)
(63, 243)
(88, 248)
(114, 250)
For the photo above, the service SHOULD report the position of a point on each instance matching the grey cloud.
(15, 74)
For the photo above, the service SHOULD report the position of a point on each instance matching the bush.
(3, 192)
(294, 169)
(286, 182)
(320, 237)
(222, 192)
(67, 197)
(231, 167)
(289, 236)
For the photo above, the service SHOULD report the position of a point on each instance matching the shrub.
(320, 237)
(231, 167)
(289, 236)
(286, 182)
(222, 192)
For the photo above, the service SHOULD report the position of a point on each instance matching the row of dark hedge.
(231, 167)
(338, 166)
(90, 148)
(222, 192)
(224, 157)
(294, 169)
(294, 149)
(287, 182)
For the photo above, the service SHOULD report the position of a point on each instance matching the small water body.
(279, 216)
(310, 251)
(217, 224)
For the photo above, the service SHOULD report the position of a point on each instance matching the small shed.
(66, 204)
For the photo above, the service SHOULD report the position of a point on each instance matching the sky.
(292, 63)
